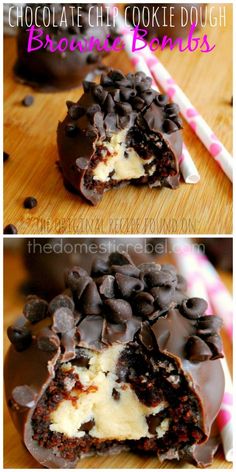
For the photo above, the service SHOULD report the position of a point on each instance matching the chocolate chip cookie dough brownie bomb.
(121, 360)
(121, 131)
(55, 25)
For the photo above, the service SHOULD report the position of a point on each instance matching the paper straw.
(187, 167)
(188, 266)
(190, 113)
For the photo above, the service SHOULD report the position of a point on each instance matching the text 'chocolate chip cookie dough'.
(123, 343)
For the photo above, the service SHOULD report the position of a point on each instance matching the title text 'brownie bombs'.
(121, 360)
(121, 131)
(60, 69)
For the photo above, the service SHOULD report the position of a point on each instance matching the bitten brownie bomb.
(119, 132)
(166, 19)
(122, 360)
(66, 69)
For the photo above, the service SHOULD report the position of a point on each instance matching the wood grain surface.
(30, 138)
(16, 455)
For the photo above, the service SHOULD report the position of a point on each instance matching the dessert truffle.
(60, 69)
(166, 19)
(123, 343)
(121, 131)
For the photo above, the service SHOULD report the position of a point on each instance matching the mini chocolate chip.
(110, 122)
(139, 76)
(148, 96)
(124, 83)
(138, 103)
(88, 85)
(73, 275)
(118, 310)
(28, 100)
(30, 202)
(172, 109)
(20, 337)
(128, 286)
(197, 350)
(161, 100)
(99, 267)
(35, 309)
(149, 266)
(106, 286)
(126, 93)
(169, 268)
(63, 320)
(126, 269)
(123, 108)
(160, 278)
(119, 258)
(181, 283)
(153, 422)
(24, 396)
(193, 308)
(10, 229)
(87, 426)
(93, 109)
(178, 121)
(47, 340)
(75, 111)
(82, 283)
(163, 296)
(92, 58)
(115, 93)
(124, 121)
(5, 156)
(147, 337)
(143, 304)
(115, 394)
(215, 344)
(106, 81)
(116, 75)
(91, 302)
(208, 324)
(71, 130)
(100, 94)
(169, 126)
(109, 104)
(60, 301)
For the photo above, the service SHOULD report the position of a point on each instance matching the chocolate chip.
(28, 100)
(181, 283)
(153, 422)
(161, 100)
(123, 108)
(91, 302)
(149, 266)
(47, 340)
(30, 202)
(87, 426)
(71, 130)
(35, 309)
(92, 58)
(120, 258)
(128, 286)
(172, 110)
(208, 324)
(139, 76)
(160, 278)
(163, 296)
(106, 286)
(73, 275)
(93, 109)
(116, 75)
(100, 94)
(127, 94)
(147, 337)
(10, 229)
(126, 269)
(115, 93)
(138, 103)
(118, 310)
(106, 81)
(215, 344)
(61, 301)
(99, 267)
(148, 96)
(89, 331)
(197, 350)
(20, 337)
(115, 394)
(87, 86)
(63, 320)
(109, 104)
(5, 156)
(193, 308)
(143, 304)
(110, 122)
(75, 111)
(24, 396)
(169, 126)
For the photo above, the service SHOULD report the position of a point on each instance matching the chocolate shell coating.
(164, 338)
(147, 128)
(60, 70)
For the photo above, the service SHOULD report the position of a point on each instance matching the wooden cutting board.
(16, 455)
(30, 138)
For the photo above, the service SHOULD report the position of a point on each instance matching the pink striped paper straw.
(188, 266)
(190, 113)
(187, 167)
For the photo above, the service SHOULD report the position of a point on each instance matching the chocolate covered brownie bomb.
(166, 19)
(63, 69)
(121, 131)
(123, 343)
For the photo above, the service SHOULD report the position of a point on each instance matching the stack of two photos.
(118, 235)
